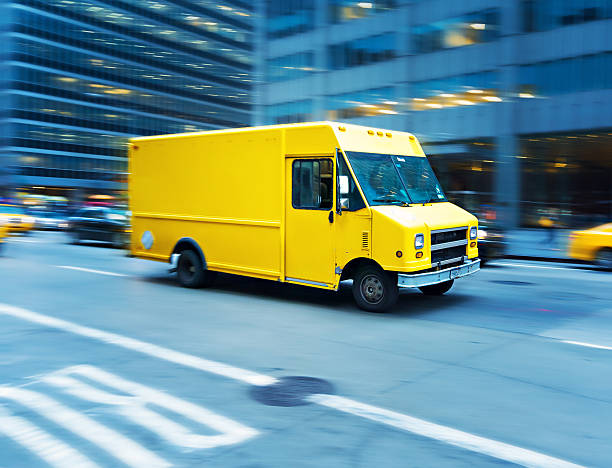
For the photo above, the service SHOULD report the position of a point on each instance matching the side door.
(309, 221)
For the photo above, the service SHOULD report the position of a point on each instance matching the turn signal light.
(472, 244)
(419, 254)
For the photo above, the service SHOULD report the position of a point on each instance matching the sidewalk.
(534, 243)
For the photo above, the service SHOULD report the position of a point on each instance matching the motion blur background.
(511, 98)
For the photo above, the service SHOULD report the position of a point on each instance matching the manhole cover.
(291, 391)
(512, 283)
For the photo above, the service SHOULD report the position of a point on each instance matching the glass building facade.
(511, 99)
(81, 77)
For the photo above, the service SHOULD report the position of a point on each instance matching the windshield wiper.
(391, 200)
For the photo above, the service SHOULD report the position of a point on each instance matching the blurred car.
(3, 233)
(491, 243)
(96, 223)
(17, 219)
(592, 245)
(50, 220)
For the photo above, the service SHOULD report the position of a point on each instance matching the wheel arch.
(349, 270)
(188, 243)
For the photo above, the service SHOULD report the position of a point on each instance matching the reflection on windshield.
(387, 179)
(419, 179)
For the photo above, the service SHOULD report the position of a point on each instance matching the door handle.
(331, 216)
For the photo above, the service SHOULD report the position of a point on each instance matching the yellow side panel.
(314, 140)
(353, 236)
(221, 189)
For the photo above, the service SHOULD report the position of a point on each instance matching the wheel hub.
(372, 289)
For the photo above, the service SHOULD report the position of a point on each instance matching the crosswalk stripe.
(53, 451)
(118, 446)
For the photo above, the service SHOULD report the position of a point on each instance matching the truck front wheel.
(190, 271)
(375, 290)
(437, 289)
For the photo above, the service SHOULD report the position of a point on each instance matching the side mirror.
(344, 203)
(344, 185)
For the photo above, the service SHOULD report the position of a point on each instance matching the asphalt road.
(105, 361)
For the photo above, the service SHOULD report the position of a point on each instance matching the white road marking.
(46, 447)
(143, 347)
(89, 270)
(134, 408)
(588, 345)
(522, 265)
(445, 434)
(451, 436)
(117, 445)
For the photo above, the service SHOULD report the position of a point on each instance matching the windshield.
(388, 179)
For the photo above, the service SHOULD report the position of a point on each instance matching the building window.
(542, 15)
(288, 17)
(347, 10)
(367, 103)
(474, 28)
(466, 171)
(584, 73)
(289, 112)
(289, 67)
(312, 184)
(567, 176)
(362, 51)
(461, 90)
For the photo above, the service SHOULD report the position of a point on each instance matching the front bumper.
(440, 276)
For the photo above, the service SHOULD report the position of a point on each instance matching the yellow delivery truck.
(311, 204)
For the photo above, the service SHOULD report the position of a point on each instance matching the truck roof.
(270, 127)
(351, 137)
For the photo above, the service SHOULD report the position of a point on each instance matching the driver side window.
(312, 184)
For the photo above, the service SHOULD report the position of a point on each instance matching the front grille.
(447, 235)
(448, 244)
(447, 254)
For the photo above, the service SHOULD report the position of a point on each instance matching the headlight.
(482, 234)
(473, 232)
(419, 241)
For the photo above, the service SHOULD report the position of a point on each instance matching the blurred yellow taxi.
(3, 233)
(593, 244)
(16, 219)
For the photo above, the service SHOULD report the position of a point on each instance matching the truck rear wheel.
(437, 289)
(190, 271)
(374, 289)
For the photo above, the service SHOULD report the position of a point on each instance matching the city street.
(105, 361)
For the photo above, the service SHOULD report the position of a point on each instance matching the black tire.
(437, 289)
(75, 237)
(374, 289)
(117, 240)
(190, 271)
(604, 259)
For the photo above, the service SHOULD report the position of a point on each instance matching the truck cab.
(392, 227)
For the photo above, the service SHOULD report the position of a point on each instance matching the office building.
(80, 77)
(511, 98)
